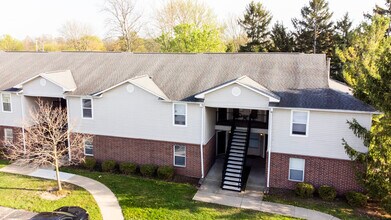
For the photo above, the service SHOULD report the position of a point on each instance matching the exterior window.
(180, 111)
(179, 155)
(254, 140)
(300, 123)
(6, 102)
(87, 108)
(88, 147)
(8, 135)
(296, 169)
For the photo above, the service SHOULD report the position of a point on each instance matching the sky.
(21, 18)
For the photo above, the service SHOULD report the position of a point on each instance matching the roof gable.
(63, 79)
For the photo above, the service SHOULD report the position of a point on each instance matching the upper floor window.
(86, 108)
(300, 123)
(8, 135)
(180, 111)
(6, 102)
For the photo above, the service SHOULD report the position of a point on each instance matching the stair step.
(235, 159)
(232, 188)
(239, 140)
(236, 155)
(239, 137)
(234, 162)
(237, 179)
(237, 151)
(237, 143)
(233, 170)
(234, 166)
(237, 148)
(237, 175)
(230, 183)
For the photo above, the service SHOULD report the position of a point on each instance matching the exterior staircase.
(235, 160)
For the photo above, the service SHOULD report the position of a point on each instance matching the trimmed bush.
(386, 203)
(327, 193)
(89, 163)
(108, 166)
(356, 199)
(127, 168)
(148, 170)
(305, 190)
(165, 172)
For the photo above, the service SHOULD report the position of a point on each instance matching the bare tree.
(73, 32)
(234, 35)
(176, 12)
(45, 140)
(123, 21)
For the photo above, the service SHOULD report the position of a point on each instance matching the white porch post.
(269, 148)
(202, 139)
(68, 131)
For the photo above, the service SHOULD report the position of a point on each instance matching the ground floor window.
(88, 147)
(296, 169)
(179, 155)
(8, 135)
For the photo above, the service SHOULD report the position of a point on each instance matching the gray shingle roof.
(301, 80)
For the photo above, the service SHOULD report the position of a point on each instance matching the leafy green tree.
(314, 31)
(255, 22)
(8, 43)
(342, 39)
(189, 38)
(282, 40)
(384, 12)
(368, 70)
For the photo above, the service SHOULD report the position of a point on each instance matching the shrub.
(148, 170)
(386, 203)
(108, 166)
(127, 168)
(304, 190)
(89, 163)
(356, 199)
(165, 172)
(327, 193)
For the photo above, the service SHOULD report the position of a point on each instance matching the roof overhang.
(246, 82)
(144, 82)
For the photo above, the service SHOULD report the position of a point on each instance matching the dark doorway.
(222, 114)
(221, 142)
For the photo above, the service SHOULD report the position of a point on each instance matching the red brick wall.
(318, 171)
(209, 154)
(142, 151)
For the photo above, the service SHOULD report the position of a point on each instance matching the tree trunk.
(58, 176)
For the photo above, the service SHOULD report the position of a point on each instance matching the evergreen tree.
(385, 12)
(314, 31)
(282, 40)
(255, 22)
(342, 39)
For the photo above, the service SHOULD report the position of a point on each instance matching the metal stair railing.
(246, 150)
(233, 127)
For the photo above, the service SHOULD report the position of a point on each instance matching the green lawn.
(142, 198)
(338, 208)
(23, 192)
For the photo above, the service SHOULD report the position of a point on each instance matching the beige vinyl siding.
(136, 115)
(34, 88)
(325, 133)
(247, 99)
(210, 122)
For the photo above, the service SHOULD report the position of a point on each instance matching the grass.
(142, 198)
(21, 192)
(338, 208)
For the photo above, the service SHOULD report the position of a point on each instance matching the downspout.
(23, 123)
(68, 131)
(202, 140)
(269, 151)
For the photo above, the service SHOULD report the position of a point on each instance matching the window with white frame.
(87, 108)
(88, 147)
(296, 169)
(8, 135)
(179, 155)
(180, 111)
(300, 123)
(6, 102)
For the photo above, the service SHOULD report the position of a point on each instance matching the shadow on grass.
(21, 188)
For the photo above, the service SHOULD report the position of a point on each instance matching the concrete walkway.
(13, 214)
(251, 198)
(106, 200)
